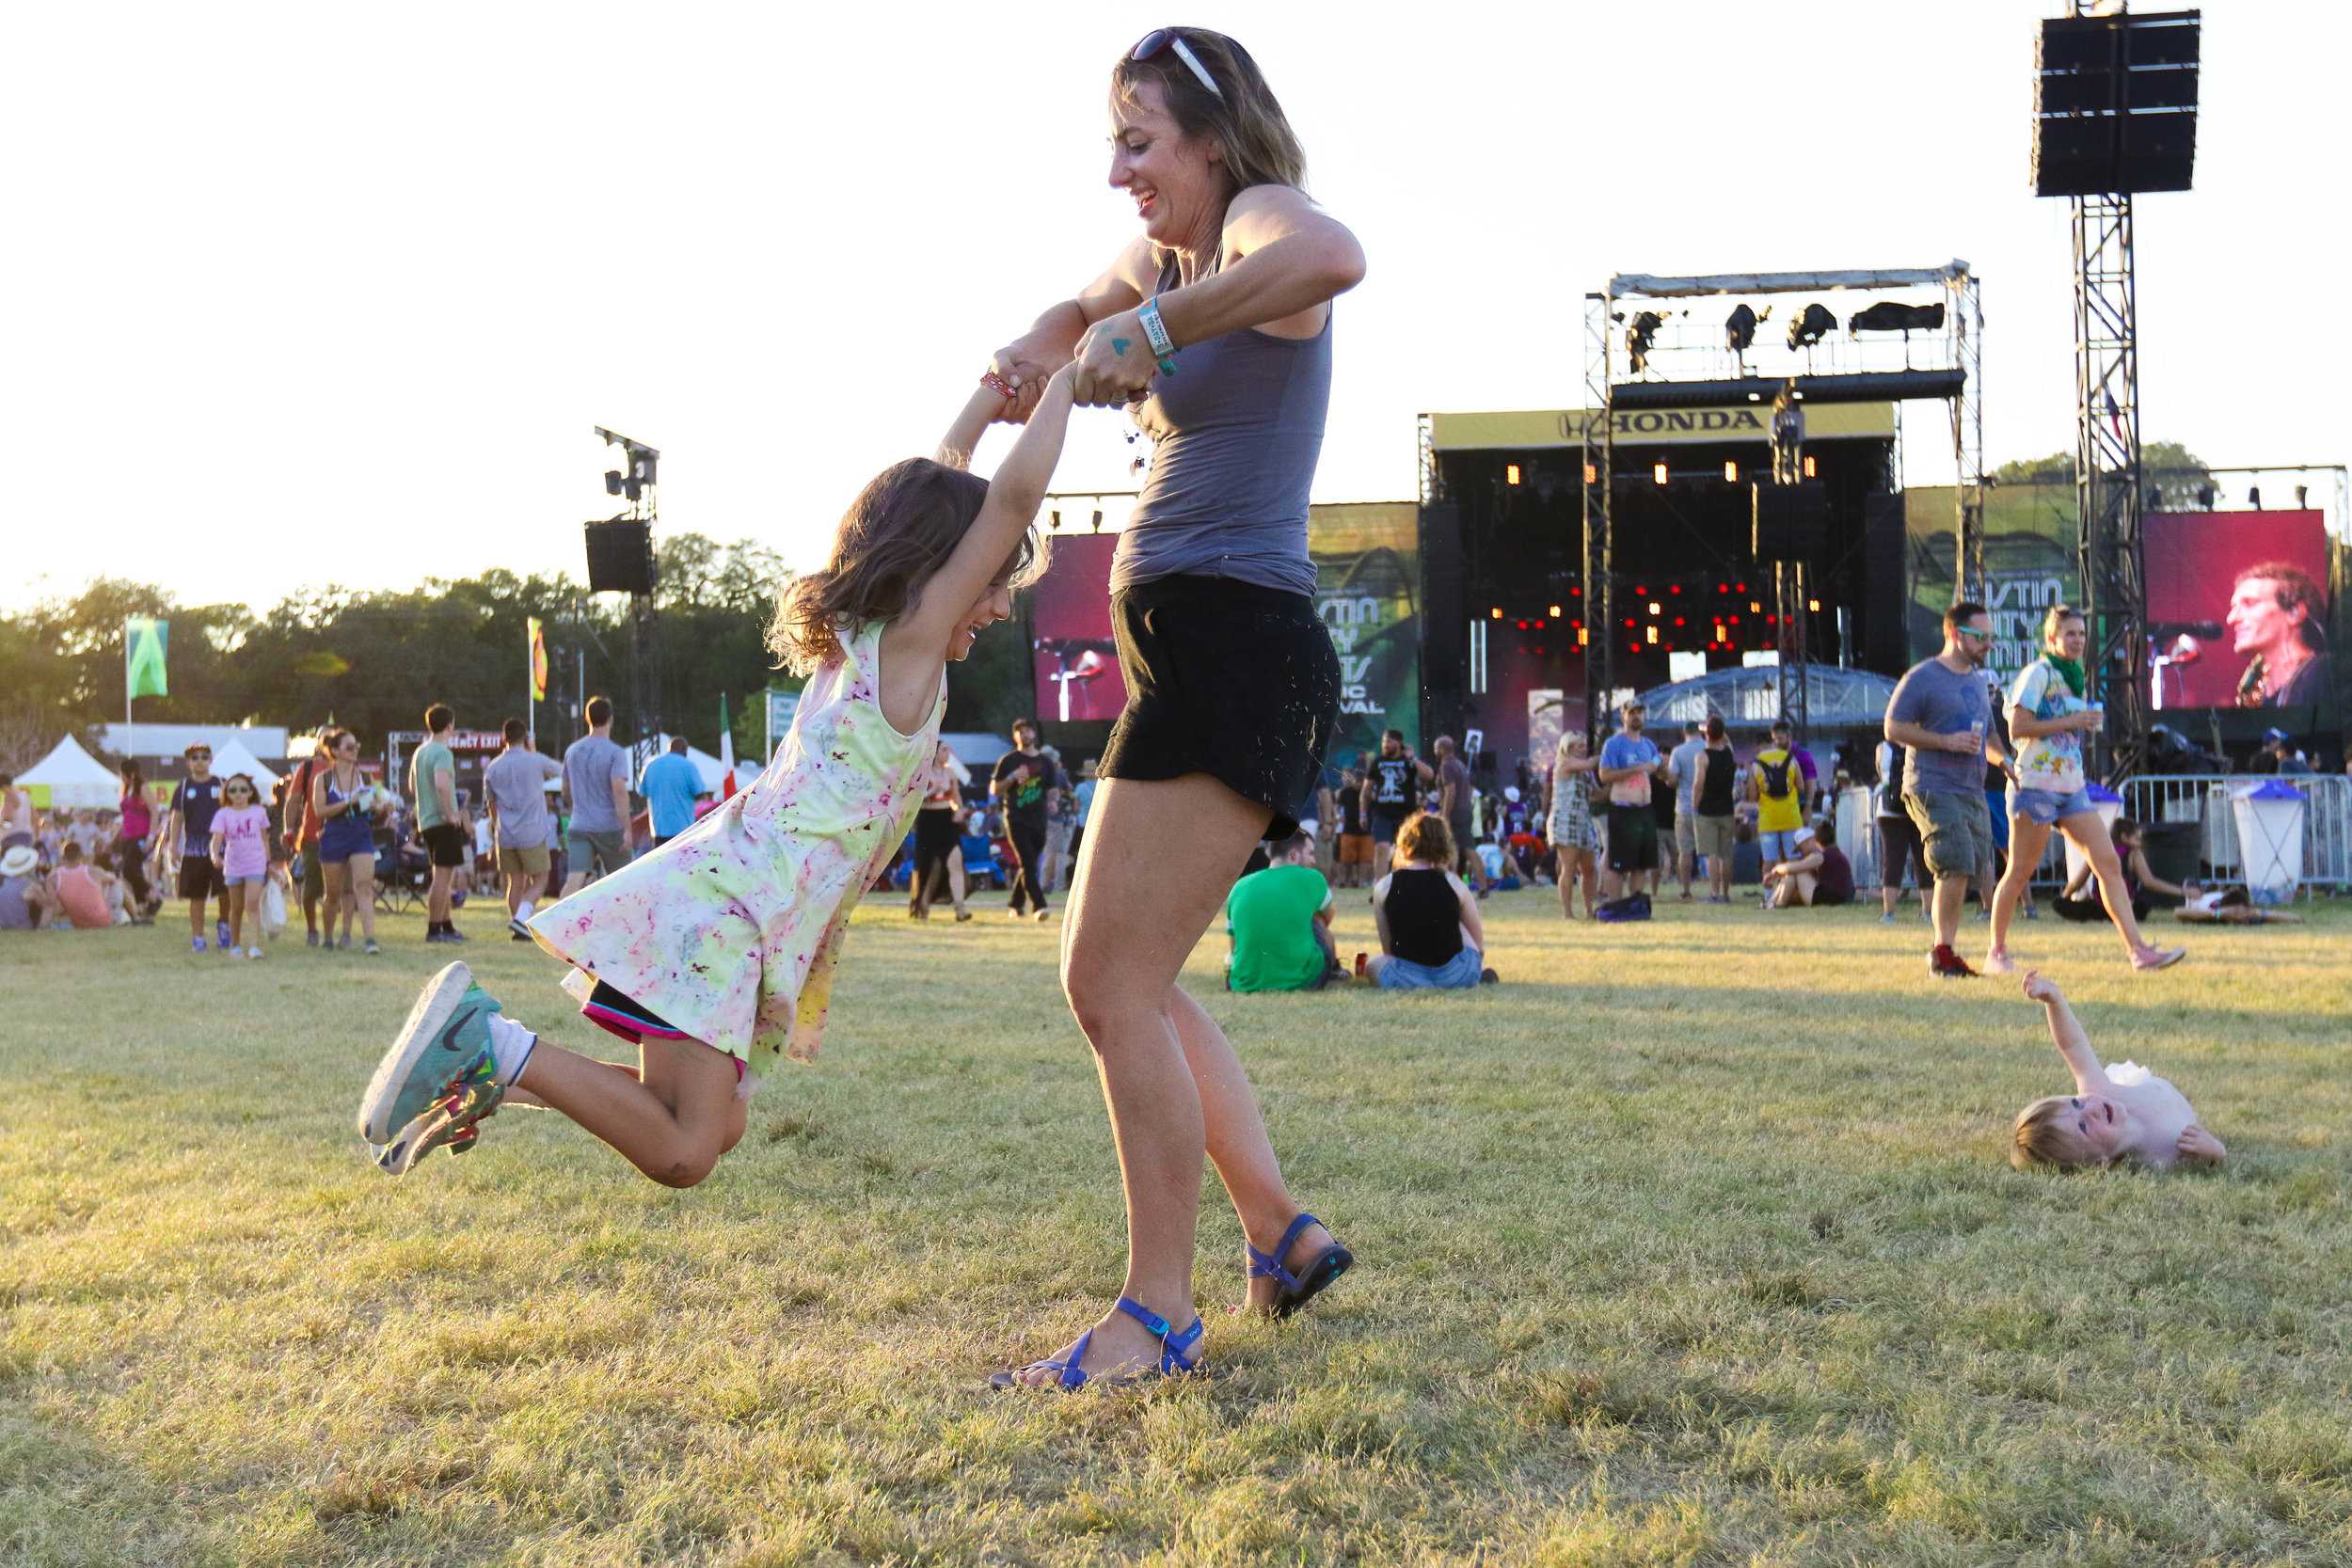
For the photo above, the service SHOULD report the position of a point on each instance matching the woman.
(346, 841)
(2139, 877)
(16, 815)
(939, 837)
(1232, 684)
(135, 822)
(2047, 720)
(1570, 824)
(1431, 935)
(1711, 800)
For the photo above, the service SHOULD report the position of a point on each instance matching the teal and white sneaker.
(443, 1051)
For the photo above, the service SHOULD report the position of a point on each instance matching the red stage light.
(1674, 588)
(1575, 593)
(1743, 587)
(1677, 620)
(1539, 626)
(1641, 593)
(1628, 621)
(1522, 626)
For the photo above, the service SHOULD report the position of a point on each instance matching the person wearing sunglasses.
(1214, 325)
(188, 824)
(1943, 712)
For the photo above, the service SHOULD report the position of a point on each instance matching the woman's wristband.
(1155, 333)
(998, 384)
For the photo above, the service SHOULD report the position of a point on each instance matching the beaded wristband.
(998, 384)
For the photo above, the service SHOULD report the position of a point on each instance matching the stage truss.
(1953, 372)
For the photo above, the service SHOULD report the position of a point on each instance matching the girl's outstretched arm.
(2066, 1032)
(964, 436)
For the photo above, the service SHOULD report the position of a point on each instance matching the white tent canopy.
(230, 756)
(1750, 697)
(73, 777)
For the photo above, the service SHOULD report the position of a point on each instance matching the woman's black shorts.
(935, 833)
(1227, 679)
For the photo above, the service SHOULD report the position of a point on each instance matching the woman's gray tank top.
(1236, 434)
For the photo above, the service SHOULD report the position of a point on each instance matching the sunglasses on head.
(1168, 38)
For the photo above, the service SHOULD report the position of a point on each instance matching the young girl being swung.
(2117, 1115)
(716, 953)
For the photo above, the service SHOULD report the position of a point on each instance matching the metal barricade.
(2207, 799)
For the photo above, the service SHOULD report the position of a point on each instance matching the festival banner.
(1367, 560)
(1526, 429)
(145, 643)
(538, 662)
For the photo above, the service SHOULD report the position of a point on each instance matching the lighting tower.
(2115, 113)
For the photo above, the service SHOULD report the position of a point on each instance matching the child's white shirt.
(2161, 1112)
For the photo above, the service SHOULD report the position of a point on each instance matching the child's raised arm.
(964, 436)
(1015, 492)
(2066, 1032)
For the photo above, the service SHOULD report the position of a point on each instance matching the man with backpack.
(1778, 784)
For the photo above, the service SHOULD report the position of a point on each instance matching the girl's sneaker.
(371, 949)
(443, 1051)
(252, 952)
(196, 944)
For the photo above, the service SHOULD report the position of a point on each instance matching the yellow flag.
(538, 662)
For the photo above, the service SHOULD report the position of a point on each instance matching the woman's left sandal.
(1069, 1376)
(1298, 1289)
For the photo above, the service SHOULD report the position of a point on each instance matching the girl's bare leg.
(2091, 836)
(363, 877)
(955, 876)
(338, 877)
(671, 1118)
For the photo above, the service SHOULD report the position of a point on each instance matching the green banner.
(1367, 579)
(144, 642)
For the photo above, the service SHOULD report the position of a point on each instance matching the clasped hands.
(1112, 367)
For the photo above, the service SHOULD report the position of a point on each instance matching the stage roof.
(1655, 287)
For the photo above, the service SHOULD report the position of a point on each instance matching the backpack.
(1633, 906)
(1776, 776)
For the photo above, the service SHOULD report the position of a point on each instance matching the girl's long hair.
(900, 530)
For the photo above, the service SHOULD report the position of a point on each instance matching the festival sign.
(1367, 559)
(1519, 429)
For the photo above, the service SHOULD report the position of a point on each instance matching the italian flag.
(726, 750)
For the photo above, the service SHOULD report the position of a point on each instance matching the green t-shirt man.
(432, 762)
(1270, 916)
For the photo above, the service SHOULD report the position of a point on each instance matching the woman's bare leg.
(362, 875)
(2028, 839)
(2091, 836)
(1158, 858)
(338, 877)
(1588, 871)
(1565, 862)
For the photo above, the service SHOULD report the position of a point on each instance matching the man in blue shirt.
(1941, 714)
(1629, 761)
(669, 787)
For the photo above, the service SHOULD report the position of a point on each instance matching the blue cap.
(2276, 738)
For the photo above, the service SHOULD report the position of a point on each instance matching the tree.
(2169, 462)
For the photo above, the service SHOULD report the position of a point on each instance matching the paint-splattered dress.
(731, 930)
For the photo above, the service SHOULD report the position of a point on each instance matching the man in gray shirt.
(595, 792)
(1942, 711)
(515, 783)
(1683, 764)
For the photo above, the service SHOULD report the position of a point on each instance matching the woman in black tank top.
(1431, 932)
(1232, 683)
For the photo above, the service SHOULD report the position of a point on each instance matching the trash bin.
(2109, 807)
(2175, 851)
(2270, 839)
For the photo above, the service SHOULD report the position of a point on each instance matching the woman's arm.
(1473, 924)
(1292, 259)
(319, 802)
(1029, 360)
(2023, 725)
(2149, 878)
(1381, 917)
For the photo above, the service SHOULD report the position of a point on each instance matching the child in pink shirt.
(241, 849)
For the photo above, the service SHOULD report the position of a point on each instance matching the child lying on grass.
(2119, 1114)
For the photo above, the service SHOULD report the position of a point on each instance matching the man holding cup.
(1940, 712)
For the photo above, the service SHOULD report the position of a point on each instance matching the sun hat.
(19, 861)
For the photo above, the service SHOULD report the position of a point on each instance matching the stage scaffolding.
(1848, 369)
(2107, 495)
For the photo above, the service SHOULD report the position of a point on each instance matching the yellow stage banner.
(1526, 429)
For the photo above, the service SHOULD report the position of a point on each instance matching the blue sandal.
(1301, 1287)
(1174, 1361)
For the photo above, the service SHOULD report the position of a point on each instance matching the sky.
(305, 295)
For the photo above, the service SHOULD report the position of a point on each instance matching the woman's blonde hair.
(1423, 836)
(1566, 743)
(2042, 1137)
(2057, 615)
(1242, 118)
(900, 530)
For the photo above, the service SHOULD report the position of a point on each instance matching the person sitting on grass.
(2117, 1115)
(25, 898)
(2079, 903)
(1816, 872)
(88, 896)
(1279, 920)
(1431, 936)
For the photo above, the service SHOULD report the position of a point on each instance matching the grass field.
(1690, 1244)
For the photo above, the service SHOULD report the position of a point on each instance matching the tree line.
(372, 659)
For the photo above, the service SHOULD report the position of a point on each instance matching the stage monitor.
(1788, 522)
(1073, 657)
(620, 556)
(2237, 611)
